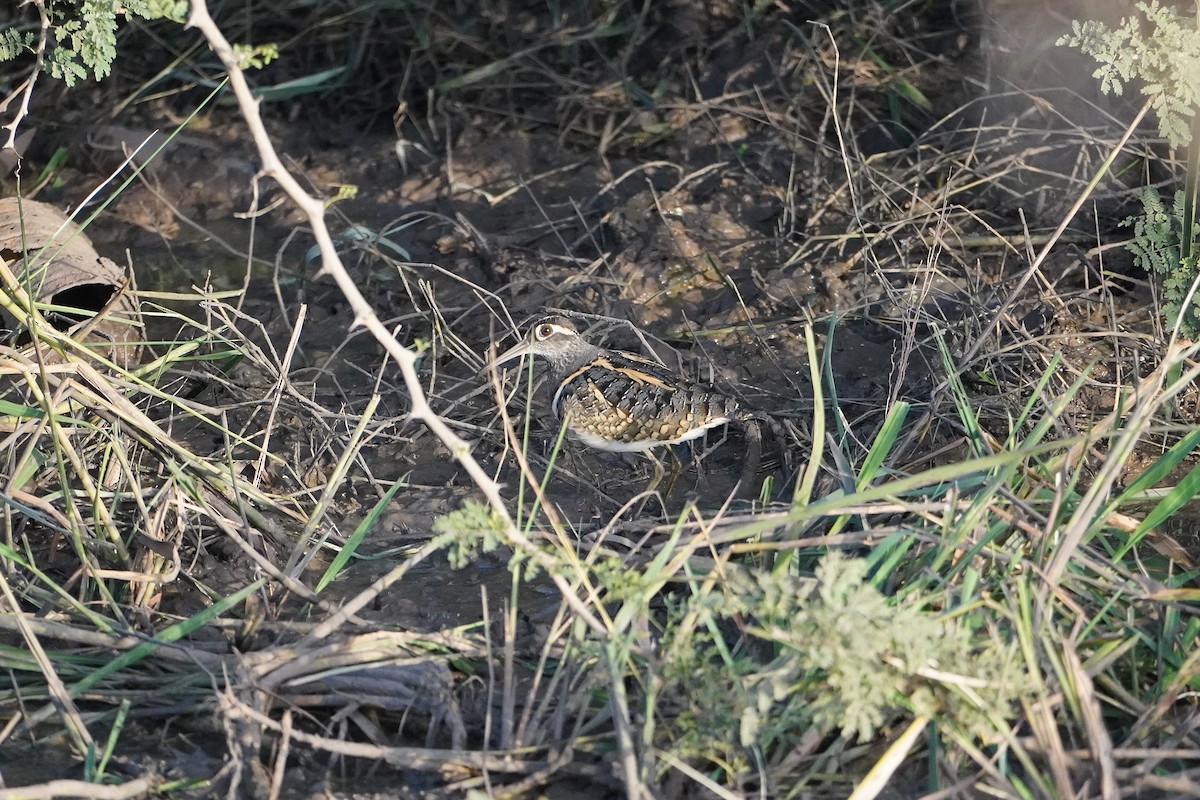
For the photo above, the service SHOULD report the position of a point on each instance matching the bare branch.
(364, 314)
(331, 263)
(26, 90)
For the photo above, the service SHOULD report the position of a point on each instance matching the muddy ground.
(720, 216)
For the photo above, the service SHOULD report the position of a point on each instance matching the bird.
(618, 401)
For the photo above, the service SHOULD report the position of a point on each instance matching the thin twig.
(314, 210)
(27, 89)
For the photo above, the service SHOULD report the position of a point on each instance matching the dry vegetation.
(302, 547)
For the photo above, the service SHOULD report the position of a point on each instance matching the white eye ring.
(544, 332)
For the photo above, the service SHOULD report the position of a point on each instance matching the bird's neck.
(568, 363)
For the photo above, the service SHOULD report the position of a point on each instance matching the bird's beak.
(516, 351)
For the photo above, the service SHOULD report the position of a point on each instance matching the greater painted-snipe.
(622, 402)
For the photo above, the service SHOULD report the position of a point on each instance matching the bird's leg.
(657, 477)
(676, 468)
(748, 482)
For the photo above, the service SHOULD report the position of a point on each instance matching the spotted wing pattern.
(623, 402)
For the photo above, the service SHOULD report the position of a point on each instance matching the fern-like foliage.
(1158, 245)
(847, 658)
(1164, 59)
(87, 42)
(14, 42)
(464, 533)
(82, 34)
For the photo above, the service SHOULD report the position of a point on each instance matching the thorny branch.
(26, 89)
(364, 315)
(331, 264)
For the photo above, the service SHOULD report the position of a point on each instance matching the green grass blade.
(355, 539)
(882, 445)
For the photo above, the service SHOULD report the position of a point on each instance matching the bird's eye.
(543, 332)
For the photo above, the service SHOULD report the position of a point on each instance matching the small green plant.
(472, 528)
(255, 56)
(82, 36)
(1162, 243)
(847, 658)
(1163, 60)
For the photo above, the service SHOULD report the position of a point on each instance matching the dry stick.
(331, 264)
(281, 757)
(62, 632)
(138, 787)
(60, 695)
(418, 758)
(364, 314)
(1101, 750)
(27, 89)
